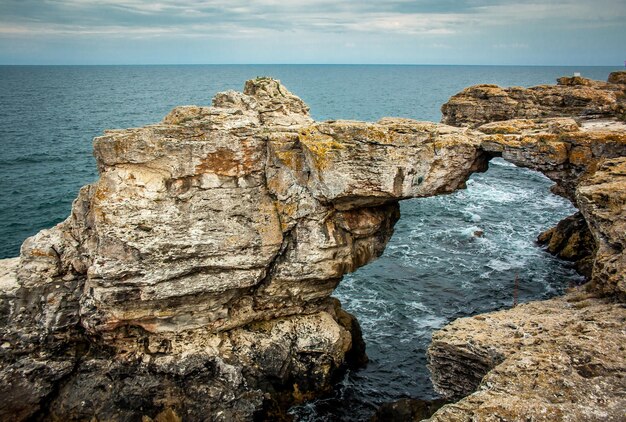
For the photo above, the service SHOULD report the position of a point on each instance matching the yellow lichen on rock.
(320, 145)
(580, 155)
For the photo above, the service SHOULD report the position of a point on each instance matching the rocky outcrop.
(573, 97)
(518, 127)
(601, 197)
(556, 147)
(568, 152)
(194, 277)
(618, 77)
(571, 240)
(560, 359)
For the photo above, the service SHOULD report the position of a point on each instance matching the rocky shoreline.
(193, 279)
(561, 359)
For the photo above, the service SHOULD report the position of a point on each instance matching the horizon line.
(310, 64)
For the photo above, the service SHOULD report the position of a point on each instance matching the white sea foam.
(500, 265)
(496, 194)
(500, 162)
(431, 322)
(419, 306)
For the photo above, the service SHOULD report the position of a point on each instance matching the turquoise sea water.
(433, 270)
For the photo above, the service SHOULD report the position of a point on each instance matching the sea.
(433, 270)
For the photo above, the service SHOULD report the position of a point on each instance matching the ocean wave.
(501, 162)
(36, 158)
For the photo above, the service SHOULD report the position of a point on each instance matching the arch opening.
(451, 256)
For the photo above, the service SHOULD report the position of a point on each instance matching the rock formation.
(193, 278)
(566, 153)
(195, 275)
(553, 358)
(572, 97)
(571, 240)
(601, 197)
(565, 149)
(562, 130)
(560, 359)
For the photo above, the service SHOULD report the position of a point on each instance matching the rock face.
(571, 240)
(194, 277)
(573, 97)
(602, 200)
(561, 359)
(618, 77)
(557, 147)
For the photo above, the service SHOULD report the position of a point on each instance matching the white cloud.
(281, 30)
(213, 17)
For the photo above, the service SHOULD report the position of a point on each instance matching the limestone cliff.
(193, 278)
(557, 360)
(560, 359)
(195, 274)
(572, 97)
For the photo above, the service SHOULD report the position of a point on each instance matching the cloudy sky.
(562, 32)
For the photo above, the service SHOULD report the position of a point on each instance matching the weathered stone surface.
(557, 147)
(575, 97)
(618, 77)
(233, 219)
(201, 375)
(195, 275)
(561, 359)
(193, 279)
(8, 287)
(602, 200)
(571, 240)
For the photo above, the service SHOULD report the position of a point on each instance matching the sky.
(560, 32)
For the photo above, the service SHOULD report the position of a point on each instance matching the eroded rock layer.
(195, 275)
(571, 240)
(561, 359)
(576, 97)
(601, 197)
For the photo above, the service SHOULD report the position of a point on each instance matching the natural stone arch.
(202, 261)
(400, 342)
